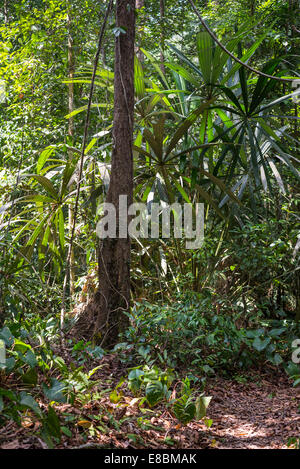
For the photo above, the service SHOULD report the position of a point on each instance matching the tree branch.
(236, 59)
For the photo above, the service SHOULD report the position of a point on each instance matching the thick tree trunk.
(113, 297)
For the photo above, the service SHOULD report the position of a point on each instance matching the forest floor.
(257, 410)
(263, 413)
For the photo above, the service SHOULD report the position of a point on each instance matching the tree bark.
(113, 297)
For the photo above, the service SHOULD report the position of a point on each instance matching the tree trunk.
(71, 67)
(5, 11)
(113, 298)
(70, 269)
(138, 5)
(162, 35)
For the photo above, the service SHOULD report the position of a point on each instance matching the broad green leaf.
(44, 156)
(139, 82)
(55, 391)
(154, 392)
(46, 183)
(135, 374)
(52, 424)
(30, 377)
(202, 403)
(21, 346)
(260, 344)
(184, 409)
(205, 55)
(28, 401)
(30, 358)
(6, 336)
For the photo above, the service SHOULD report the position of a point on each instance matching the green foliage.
(155, 384)
(294, 443)
(82, 351)
(187, 406)
(190, 333)
(205, 130)
(293, 371)
(45, 376)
